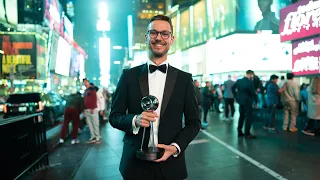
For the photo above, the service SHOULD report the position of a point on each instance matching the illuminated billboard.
(300, 20)
(24, 56)
(221, 17)
(53, 15)
(184, 34)
(305, 56)
(259, 15)
(199, 25)
(262, 52)
(63, 57)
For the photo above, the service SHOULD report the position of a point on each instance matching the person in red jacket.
(91, 112)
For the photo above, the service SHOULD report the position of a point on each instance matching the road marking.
(199, 141)
(256, 163)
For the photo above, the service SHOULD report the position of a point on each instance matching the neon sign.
(300, 20)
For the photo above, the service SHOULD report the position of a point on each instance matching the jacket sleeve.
(119, 118)
(192, 118)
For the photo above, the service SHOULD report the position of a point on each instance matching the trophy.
(149, 103)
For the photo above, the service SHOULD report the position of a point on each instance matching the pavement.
(216, 153)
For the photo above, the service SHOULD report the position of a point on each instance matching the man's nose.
(158, 36)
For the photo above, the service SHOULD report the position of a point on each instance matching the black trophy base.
(150, 154)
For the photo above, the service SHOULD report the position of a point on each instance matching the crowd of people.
(250, 92)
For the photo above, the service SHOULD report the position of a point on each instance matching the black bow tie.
(162, 68)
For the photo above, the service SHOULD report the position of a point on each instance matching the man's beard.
(157, 54)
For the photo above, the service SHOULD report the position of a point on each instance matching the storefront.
(304, 36)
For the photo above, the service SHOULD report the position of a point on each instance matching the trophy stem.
(144, 131)
(153, 145)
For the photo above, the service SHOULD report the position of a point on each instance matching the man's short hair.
(282, 78)
(162, 18)
(84, 79)
(274, 77)
(194, 81)
(249, 72)
(290, 75)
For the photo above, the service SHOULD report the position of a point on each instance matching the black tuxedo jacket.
(179, 98)
(244, 91)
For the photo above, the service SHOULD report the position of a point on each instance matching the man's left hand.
(169, 151)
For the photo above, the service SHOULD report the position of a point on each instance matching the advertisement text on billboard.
(19, 58)
(305, 56)
(300, 20)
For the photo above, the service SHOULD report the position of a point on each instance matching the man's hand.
(144, 119)
(169, 151)
(101, 113)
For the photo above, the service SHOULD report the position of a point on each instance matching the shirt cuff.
(178, 148)
(135, 129)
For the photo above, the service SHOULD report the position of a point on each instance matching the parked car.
(50, 104)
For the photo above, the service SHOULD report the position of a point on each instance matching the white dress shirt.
(156, 81)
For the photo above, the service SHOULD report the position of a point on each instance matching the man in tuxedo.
(245, 96)
(177, 97)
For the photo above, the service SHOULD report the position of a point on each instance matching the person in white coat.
(313, 101)
(101, 103)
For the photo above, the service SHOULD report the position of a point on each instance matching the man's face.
(159, 45)
(86, 83)
(207, 84)
(197, 84)
(275, 80)
(264, 5)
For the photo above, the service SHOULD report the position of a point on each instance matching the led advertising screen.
(221, 17)
(300, 20)
(9, 12)
(305, 56)
(20, 56)
(75, 64)
(259, 15)
(184, 34)
(199, 26)
(175, 34)
(262, 52)
(53, 50)
(63, 57)
(42, 64)
(53, 15)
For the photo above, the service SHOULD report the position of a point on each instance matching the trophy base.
(150, 154)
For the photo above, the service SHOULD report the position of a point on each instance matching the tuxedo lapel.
(143, 80)
(168, 88)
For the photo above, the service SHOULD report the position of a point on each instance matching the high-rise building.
(145, 10)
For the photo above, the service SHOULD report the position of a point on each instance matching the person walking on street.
(91, 112)
(206, 103)
(72, 112)
(245, 96)
(290, 98)
(101, 103)
(228, 98)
